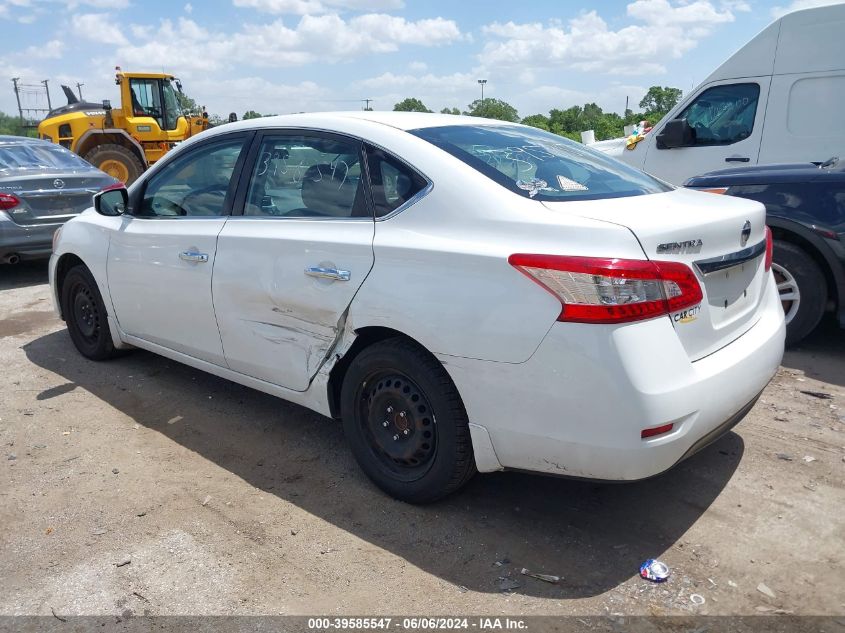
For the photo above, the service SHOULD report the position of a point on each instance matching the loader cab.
(151, 96)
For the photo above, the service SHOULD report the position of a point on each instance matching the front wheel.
(405, 422)
(85, 315)
(802, 287)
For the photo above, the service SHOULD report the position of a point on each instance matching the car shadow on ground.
(594, 535)
(822, 354)
(28, 273)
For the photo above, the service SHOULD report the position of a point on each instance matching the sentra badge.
(677, 248)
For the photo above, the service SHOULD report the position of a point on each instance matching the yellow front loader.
(123, 142)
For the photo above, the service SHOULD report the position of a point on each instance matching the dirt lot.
(143, 486)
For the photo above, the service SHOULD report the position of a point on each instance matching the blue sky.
(279, 56)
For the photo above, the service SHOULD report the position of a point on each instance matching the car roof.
(770, 174)
(399, 120)
(8, 139)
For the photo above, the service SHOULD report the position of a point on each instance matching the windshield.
(171, 106)
(539, 164)
(17, 156)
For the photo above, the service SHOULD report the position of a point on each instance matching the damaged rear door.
(288, 267)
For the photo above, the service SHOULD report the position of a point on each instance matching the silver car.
(42, 185)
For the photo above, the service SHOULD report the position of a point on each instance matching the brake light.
(8, 201)
(770, 247)
(604, 290)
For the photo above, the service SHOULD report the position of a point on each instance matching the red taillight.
(8, 201)
(602, 290)
(657, 430)
(769, 249)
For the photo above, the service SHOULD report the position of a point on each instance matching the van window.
(723, 114)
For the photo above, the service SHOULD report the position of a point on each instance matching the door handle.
(737, 159)
(328, 273)
(193, 256)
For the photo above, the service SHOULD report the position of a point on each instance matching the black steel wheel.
(398, 422)
(405, 422)
(85, 315)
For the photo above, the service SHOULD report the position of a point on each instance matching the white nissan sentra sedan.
(464, 294)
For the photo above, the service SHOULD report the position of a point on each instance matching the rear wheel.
(85, 315)
(117, 161)
(405, 422)
(802, 287)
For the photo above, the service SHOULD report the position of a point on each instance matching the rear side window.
(306, 176)
(393, 182)
(539, 164)
(14, 156)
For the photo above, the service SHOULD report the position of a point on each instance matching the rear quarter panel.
(441, 273)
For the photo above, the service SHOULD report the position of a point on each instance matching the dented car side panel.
(276, 322)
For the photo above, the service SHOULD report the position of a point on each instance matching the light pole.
(481, 82)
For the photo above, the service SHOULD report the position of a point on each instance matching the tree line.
(571, 121)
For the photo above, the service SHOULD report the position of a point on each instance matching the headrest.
(326, 195)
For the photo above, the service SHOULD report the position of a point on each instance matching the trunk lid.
(52, 198)
(705, 232)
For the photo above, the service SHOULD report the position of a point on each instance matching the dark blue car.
(805, 205)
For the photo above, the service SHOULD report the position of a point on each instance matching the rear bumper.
(578, 405)
(28, 241)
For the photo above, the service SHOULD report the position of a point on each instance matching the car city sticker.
(687, 316)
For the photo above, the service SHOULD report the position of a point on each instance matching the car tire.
(405, 422)
(117, 161)
(799, 278)
(85, 315)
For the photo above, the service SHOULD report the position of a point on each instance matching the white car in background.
(465, 294)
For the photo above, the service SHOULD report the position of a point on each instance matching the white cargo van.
(780, 98)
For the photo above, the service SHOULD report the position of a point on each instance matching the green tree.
(11, 124)
(251, 114)
(186, 104)
(659, 100)
(492, 108)
(537, 120)
(450, 111)
(411, 104)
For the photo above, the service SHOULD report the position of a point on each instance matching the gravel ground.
(141, 486)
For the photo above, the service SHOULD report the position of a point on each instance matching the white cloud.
(259, 94)
(586, 43)
(310, 7)
(296, 7)
(26, 19)
(188, 8)
(51, 50)
(418, 67)
(796, 5)
(98, 4)
(323, 38)
(98, 27)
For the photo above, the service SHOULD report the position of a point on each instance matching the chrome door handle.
(193, 256)
(328, 273)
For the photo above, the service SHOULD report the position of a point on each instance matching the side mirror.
(112, 202)
(676, 133)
